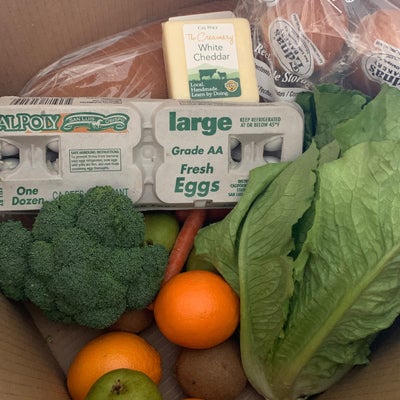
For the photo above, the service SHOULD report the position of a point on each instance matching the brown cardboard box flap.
(27, 369)
(378, 380)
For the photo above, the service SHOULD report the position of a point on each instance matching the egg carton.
(161, 153)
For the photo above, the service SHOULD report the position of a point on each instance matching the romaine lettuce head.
(349, 288)
(313, 249)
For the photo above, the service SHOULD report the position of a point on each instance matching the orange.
(196, 309)
(107, 352)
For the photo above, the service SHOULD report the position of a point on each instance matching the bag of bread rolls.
(300, 43)
(295, 42)
(374, 49)
(128, 64)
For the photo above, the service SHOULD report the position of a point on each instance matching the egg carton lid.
(161, 153)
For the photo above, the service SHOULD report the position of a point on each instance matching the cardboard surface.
(36, 33)
(39, 352)
(27, 369)
(378, 380)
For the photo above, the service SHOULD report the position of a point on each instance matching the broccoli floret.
(39, 292)
(15, 242)
(57, 215)
(149, 276)
(74, 247)
(143, 269)
(41, 259)
(111, 218)
(86, 261)
(92, 298)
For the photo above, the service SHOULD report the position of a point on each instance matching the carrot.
(184, 242)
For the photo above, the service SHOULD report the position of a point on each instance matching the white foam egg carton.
(161, 153)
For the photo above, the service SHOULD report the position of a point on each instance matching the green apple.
(124, 384)
(162, 227)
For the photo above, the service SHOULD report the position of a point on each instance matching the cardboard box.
(35, 353)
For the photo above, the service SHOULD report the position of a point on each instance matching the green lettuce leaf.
(379, 120)
(217, 243)
(265, 269)
(325, 108)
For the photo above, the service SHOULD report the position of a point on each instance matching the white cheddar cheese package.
(161, 153)
(209, 57)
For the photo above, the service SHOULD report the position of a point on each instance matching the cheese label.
(211, 60)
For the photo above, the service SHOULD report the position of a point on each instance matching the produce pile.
(312, 248)
(92, 259)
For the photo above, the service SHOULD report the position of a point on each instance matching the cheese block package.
(161, 153)
(209, 57)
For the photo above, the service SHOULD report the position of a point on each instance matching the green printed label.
(260, 122)
(189, 185)
(23, 122)
(27, 196)
(95, 122)
(196, 177)
(207, 125)
(212, 61)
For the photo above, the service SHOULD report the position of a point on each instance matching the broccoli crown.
(15, 241)
(85, 260)
(86, 282)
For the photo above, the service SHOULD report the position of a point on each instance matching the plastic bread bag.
(298, 44)
(294, 43)
(373, 56)
(127, 64)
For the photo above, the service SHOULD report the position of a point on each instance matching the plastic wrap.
(373, 57)
(128, 64)
(297, 44)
